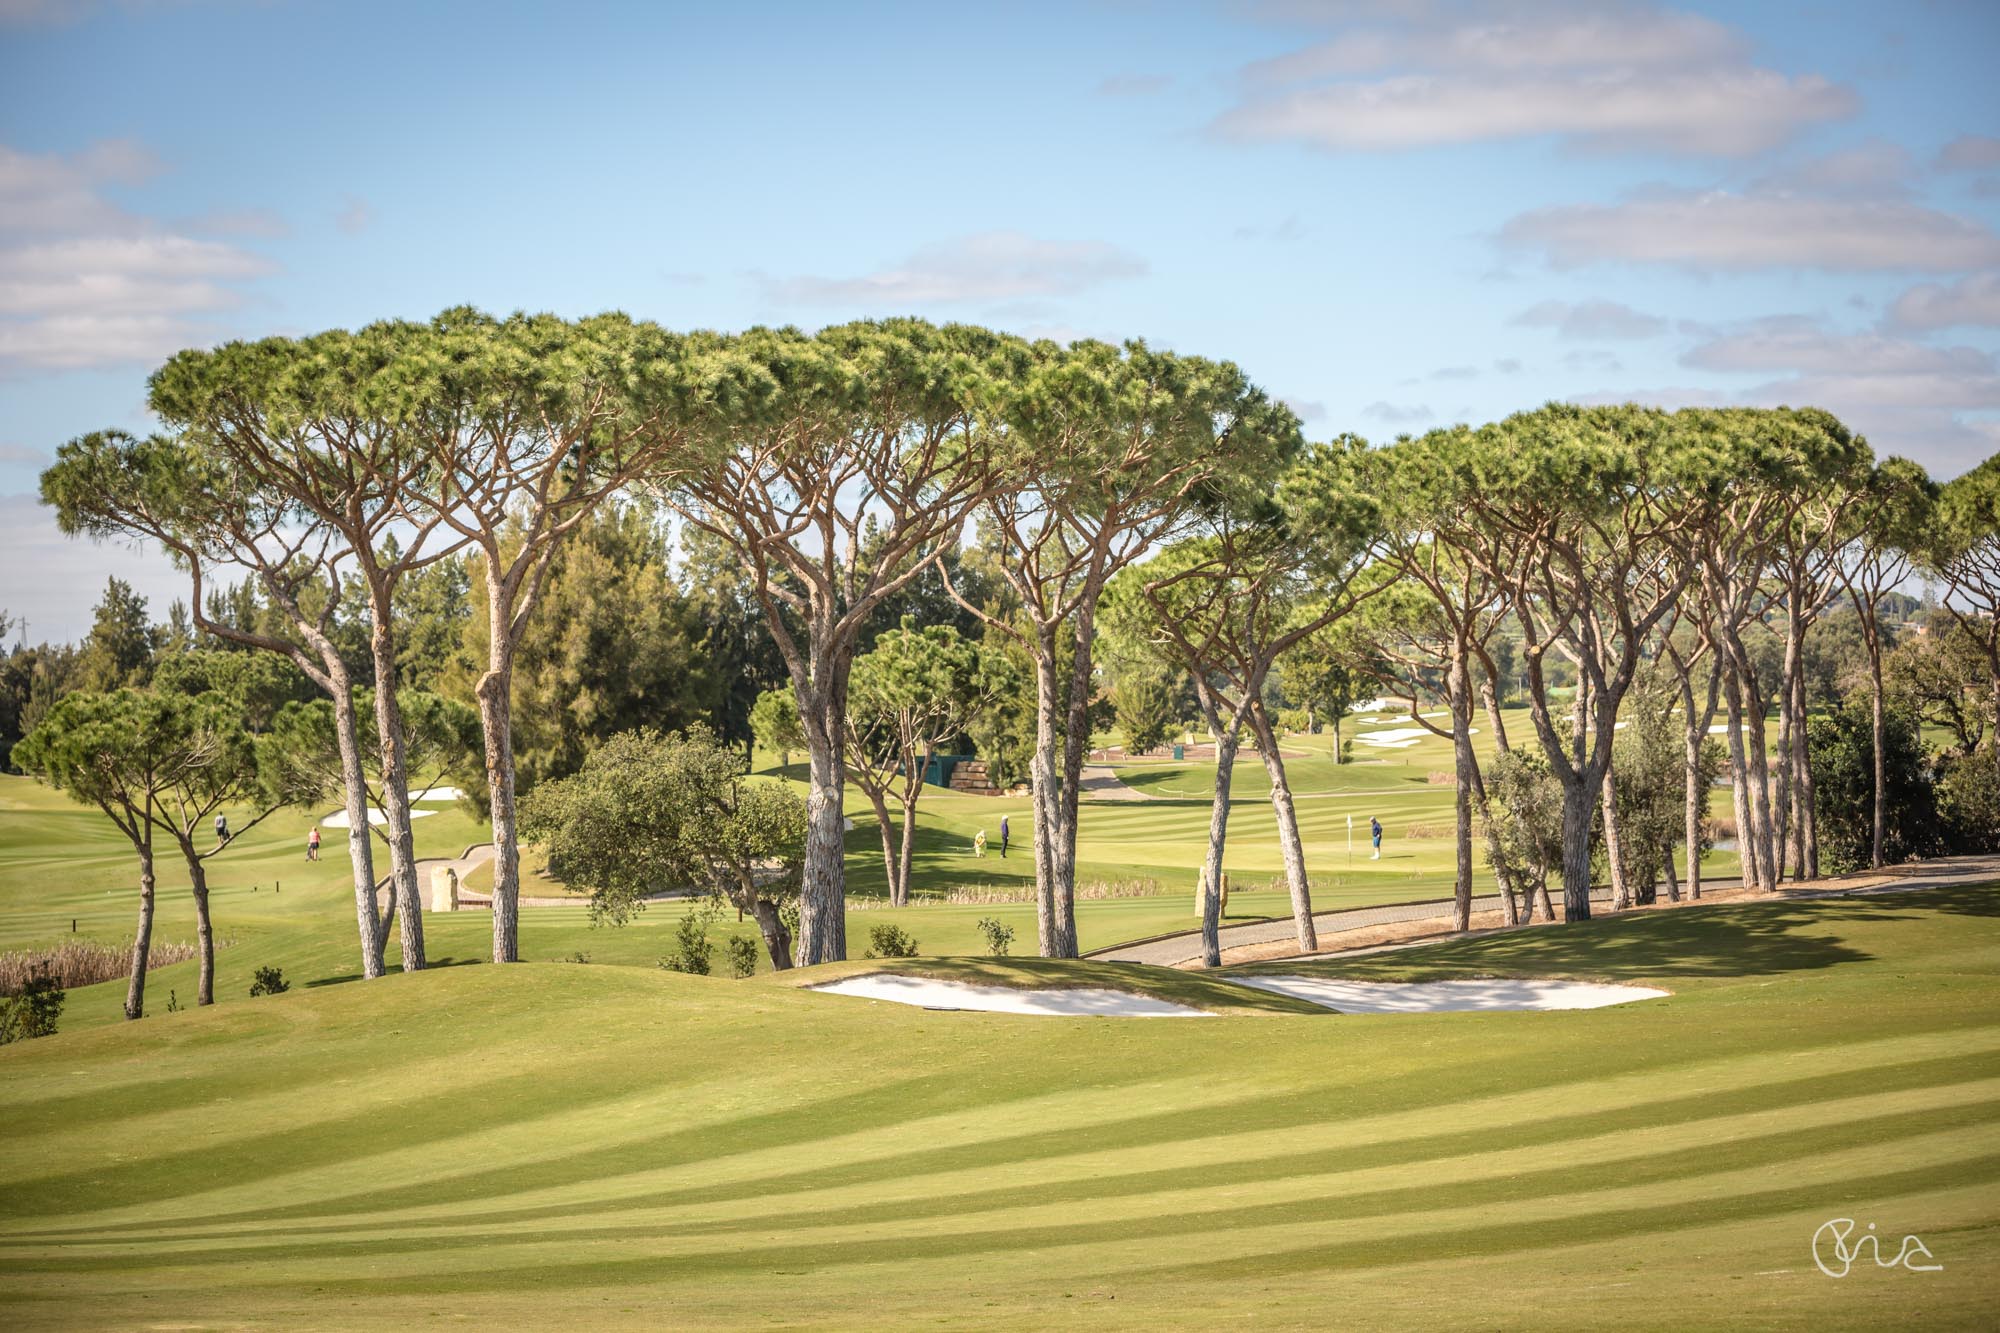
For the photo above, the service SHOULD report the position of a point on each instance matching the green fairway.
(63, 867)
(549, 1144)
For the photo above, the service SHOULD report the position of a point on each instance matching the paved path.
(1186, 947)
(1101, 783)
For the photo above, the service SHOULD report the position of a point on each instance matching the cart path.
(1185, 947)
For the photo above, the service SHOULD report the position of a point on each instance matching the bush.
(268, 981)
(692, 951)
(32, 1013)
(998, 936)
(742, 955)
(1968, 800)
(1843, 760)
(887, 941)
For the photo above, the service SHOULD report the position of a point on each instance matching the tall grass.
(86, 962)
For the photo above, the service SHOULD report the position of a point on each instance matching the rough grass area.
(75, 963)
(566, 1146)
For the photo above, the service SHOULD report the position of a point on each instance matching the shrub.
(1843, 760)
(32, 1013)
(1968, 798)
(692, 951)
(998, 936)
(887, 941)
(268, 981)
(742, 952)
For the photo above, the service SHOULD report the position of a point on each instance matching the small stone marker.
(444, 889)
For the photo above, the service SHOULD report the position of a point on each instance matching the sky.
(1394, 214)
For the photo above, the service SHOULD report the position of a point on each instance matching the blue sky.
(1394, 215)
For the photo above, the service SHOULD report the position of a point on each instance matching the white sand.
(1437, 997)
(933, 994)
(1399, 738)
(338, 819)
(437, 794)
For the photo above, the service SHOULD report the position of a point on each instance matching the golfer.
(1003, 837)
(979, 843)
(222, 828)
(1375, 833)
(312, 844)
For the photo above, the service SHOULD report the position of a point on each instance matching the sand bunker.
(1437, 997)
(934, 994)
(1400, 738)
(338, 819)
(437, 794)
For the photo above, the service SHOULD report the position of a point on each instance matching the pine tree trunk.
(1042, 780)
(1459, 698)
(1501, 871)
(891, 863)
(1803, 788)
(1785, 835)
(496, 718)
(1076, 745)
(1289, 842)
(1768, 848)
(1614, 844)
(1693, 732)
(204, 930)
(396, 793)
(360, 848)
(1739, 779)
(1878, 730)
(823, 891)
(1577, 801)
(1211, 923)
(142, 941)
(907, 854)
(1226, 741)
(777, 940)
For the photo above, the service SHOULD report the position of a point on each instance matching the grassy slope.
(552, 1144)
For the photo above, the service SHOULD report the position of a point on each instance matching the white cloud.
(84, 282)
(1529, 40)
(1971, 301)
(1908, 397)
(988, 267)
(1726, 113)
(1969, 152)
(1877, 169)
(1790, 345)
(1624, 77)
(1591, 320)
(1306, 409)
(1397, 414)
(44, 195)
(1756, 230)
(258, 222)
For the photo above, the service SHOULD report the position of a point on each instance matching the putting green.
(560, 1145)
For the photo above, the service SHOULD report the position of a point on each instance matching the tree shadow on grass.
(389, 970)
(1753, 940)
